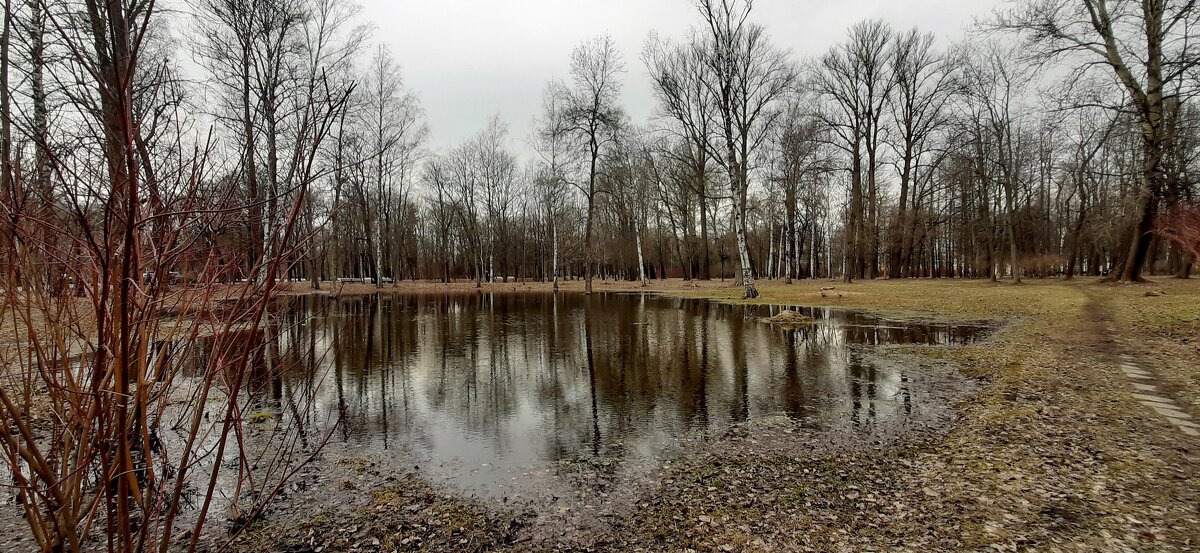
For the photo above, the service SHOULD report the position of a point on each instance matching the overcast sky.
(470, 59)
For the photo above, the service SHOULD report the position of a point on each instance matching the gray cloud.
(470, 59)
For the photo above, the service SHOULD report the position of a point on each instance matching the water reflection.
(519, 380)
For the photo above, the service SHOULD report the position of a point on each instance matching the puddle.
(484, 390)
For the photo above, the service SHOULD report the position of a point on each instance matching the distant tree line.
(1054, 140)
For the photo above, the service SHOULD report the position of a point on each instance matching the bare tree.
(747, 77)
(671, 191)
(592, 116)
(7, 185)
(482, 173)
(552, 143)
(392, 125)
(228, 29)
(677, 75)
(332, 38)
(924, 85)
(1151, 50)
(854, 77)
(497, 177)
(443, 211)
(995, 85)
(1093, 133)
(800, 160)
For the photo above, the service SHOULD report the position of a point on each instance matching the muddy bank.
(1051, 453)
(382, 502)
(1047, 451)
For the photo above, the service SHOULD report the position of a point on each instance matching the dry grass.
(1053, 453)
(958, 299)
(1164, 330)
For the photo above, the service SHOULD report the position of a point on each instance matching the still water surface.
(495, 384)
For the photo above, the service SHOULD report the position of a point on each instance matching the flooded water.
(484, 386)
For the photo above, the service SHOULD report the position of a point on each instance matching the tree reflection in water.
(516, 381)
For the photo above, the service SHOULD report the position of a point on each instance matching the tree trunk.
(7, 184)
(854, 237)
(641, 260)
(1187, 259)
(739, 229)
(587, 246)
(554, 256)
(793, 240)
(896, 237)
(1076, 238)
(706, 270)
(1144, 211)
(1011, 226)
(1139, 239)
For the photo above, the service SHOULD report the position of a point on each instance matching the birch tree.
(747, 77)
(552, 143)
(392, 124)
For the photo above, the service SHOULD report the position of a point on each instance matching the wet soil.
(370, 503)
(1049, 452)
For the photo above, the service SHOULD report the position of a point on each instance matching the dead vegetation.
(789, 318)
(1051, 453)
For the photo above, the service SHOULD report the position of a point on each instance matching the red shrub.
(1182, 225)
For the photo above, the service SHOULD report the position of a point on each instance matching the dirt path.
(1145, 385)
